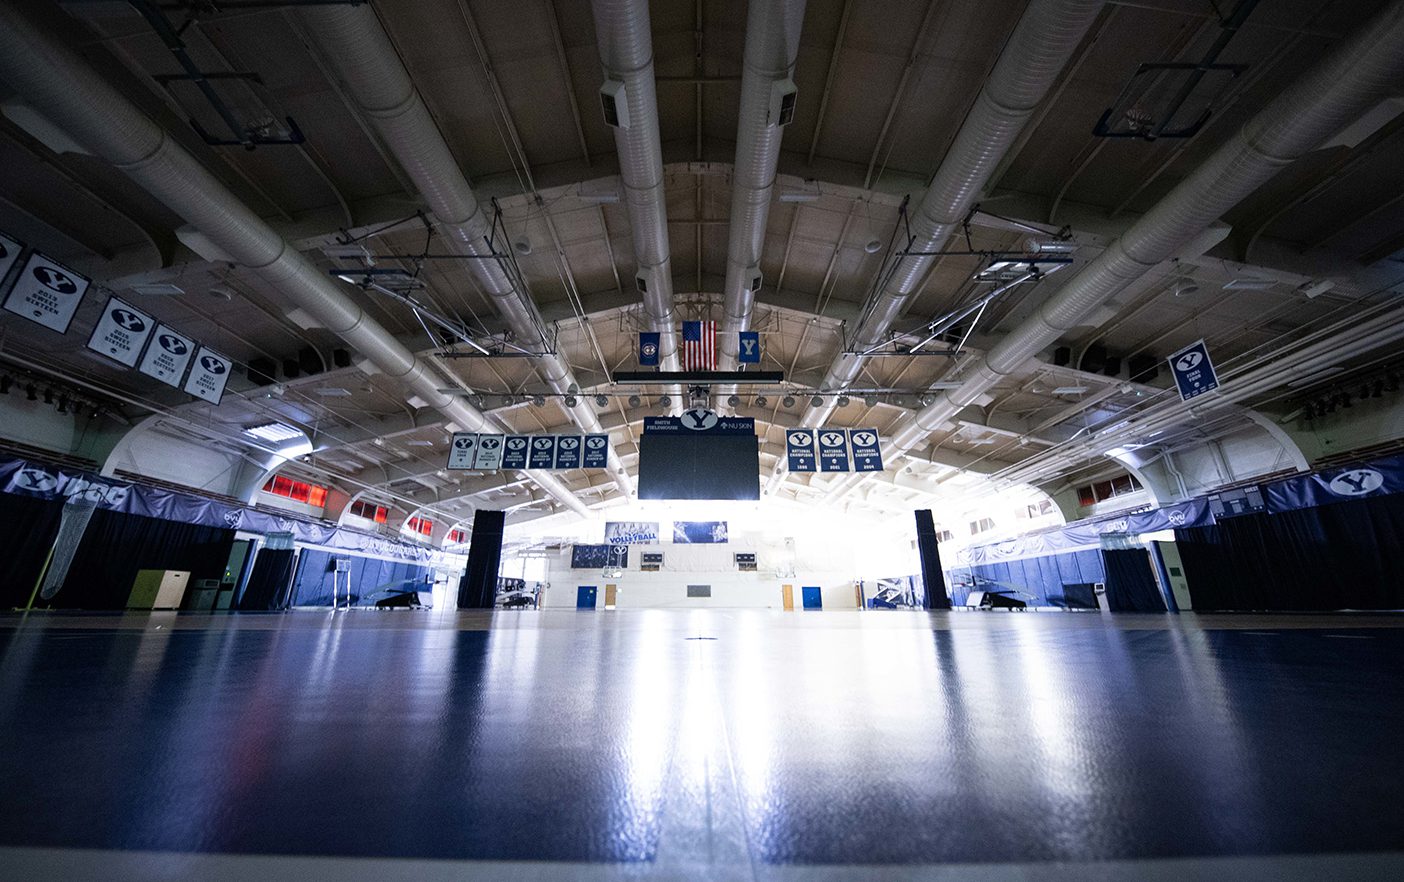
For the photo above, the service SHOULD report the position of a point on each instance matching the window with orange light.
(297, 491)
(370, 511)
(456, 536)
(422, 526)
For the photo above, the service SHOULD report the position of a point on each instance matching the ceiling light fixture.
(733, 401)
(665, 401)
(788, 401)
(571, 401)
(635, 401)
(761, 401)
(274, 432)
(601, 401)
(843, 401)
(871, 400)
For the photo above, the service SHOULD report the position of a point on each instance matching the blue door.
(811, 597)
(585, 597)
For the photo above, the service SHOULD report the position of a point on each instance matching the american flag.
(699, 346)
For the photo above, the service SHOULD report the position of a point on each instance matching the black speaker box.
(1144, 368)
(1094, 359)
(341, 358)
(262, 371)
(1062, 356)
(309, 361)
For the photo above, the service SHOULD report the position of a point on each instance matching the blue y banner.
(648, 348)
(799, 450)
(514, 452)
(867, 456)
(1193, 371)
(596, 454)
(568, 452)
(543, 452)
(833, 450)
(748, 348)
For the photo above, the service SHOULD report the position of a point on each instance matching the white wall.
(155, 454)
(712, 565)
(35, 423)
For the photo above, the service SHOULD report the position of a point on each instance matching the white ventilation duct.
(1361, 70)
(767, 104)
(358, 49)
(1042, 43)
(626, 53)
(50, 75)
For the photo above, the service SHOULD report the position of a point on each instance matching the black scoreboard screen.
(701, 466)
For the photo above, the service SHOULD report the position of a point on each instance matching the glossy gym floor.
(701, 745)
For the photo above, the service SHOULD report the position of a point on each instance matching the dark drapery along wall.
(29, 526)
(1347, 555)
(115, 546)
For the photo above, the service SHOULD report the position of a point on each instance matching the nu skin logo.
(699, 420)
(1356, 482)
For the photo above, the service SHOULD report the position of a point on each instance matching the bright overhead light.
(332, 392)
(1069, 390)
(274, 432)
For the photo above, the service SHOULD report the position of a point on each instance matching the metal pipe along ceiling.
(358, 49)
(626, 53)
(1039, 48)
(1360, 71)
(772, 42)
(51, 76)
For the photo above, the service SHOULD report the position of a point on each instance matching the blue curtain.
(1130, 581)
(371, 578)
(29, 525)
(1340, 556)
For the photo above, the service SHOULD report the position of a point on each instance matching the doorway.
(812, 597)
(585, 597)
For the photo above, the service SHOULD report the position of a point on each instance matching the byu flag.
(749, 350)
(648, 348)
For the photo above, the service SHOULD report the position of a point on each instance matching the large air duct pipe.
(767, 101)
(1042, 43)
(52, 77)
(626, 54)
(358, 49)
(1354, 76)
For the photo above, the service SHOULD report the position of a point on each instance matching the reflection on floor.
(701, 745)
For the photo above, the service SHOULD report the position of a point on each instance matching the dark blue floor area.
(843, 745)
